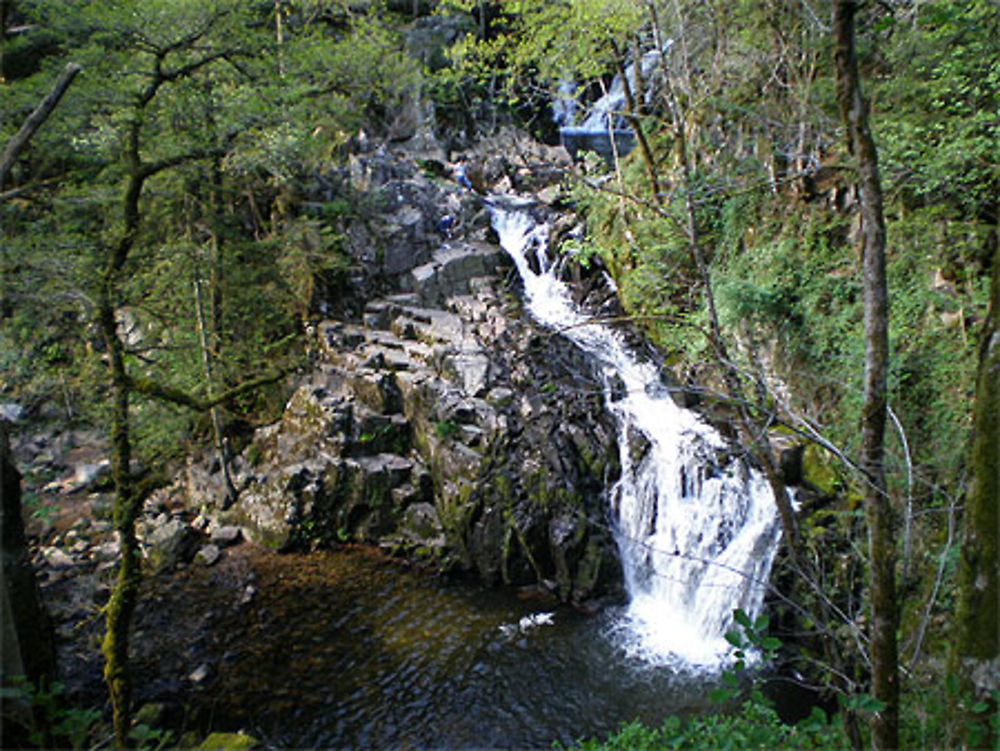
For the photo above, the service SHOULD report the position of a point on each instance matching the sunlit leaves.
(942, 137)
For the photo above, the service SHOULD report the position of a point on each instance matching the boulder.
(168, 544)
(208, 555)
(225, 536)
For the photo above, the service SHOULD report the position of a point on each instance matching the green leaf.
(952, 684)
(740, 616)
(720, 695)
(770, 643)
(735, 638)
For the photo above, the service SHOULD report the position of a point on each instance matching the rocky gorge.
(440, 424)
(435, 422)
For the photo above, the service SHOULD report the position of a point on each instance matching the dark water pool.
(348, 650)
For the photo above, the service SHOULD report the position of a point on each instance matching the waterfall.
(697, 529)
(604, 117)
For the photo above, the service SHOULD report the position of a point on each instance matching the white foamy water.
(697, 531)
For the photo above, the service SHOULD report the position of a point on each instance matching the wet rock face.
(460, 434)
(439, 421)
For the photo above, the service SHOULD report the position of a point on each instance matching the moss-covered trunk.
(121, 605)
(976, 655)
(878, 509)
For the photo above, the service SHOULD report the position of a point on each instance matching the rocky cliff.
(440, 422)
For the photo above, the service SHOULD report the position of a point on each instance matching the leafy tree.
(940, 137)
(190, 124)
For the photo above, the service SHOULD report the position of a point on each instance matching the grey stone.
(11, 412)
(500, 397)
(208, 555)
(471, 370)
(422, 523)
(169, 544)
(201, 674)
(106, 551)
(57, 557)
(86, 475)
(226, 535)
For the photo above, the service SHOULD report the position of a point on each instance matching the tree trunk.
(976, 655)
(878, 510)
(126, 507)
(27, 636)
(632, 116)
(35, 120)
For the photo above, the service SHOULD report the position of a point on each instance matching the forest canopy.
(163, 246)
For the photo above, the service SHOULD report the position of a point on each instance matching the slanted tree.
(878, 509)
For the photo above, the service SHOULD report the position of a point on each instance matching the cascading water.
(604, 118)
(697, 532)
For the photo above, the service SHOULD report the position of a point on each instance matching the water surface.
(349, 650)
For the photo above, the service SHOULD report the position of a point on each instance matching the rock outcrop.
(460, 435)
(437, 421)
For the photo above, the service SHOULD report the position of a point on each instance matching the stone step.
(452, 268)
(381, 472)
(377, 314)
(377, 390)
(376, 433)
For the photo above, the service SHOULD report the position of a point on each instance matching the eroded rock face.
(439, 422)
(460, 434)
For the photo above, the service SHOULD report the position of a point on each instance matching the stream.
(349, 649)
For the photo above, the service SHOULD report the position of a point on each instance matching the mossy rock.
(228, 742)
(821, 471)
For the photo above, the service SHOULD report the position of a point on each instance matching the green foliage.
(445, 429)
(43, 713)
(939, 138)
(750, 639)
(753, 726)
(146, 738)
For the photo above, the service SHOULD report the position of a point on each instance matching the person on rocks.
(447, 225)
(459, 173)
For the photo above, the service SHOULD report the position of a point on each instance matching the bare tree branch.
(163, 392)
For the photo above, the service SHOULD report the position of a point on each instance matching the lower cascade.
(697, 532)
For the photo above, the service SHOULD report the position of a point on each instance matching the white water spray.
(697, 532)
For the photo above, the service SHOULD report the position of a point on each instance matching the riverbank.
(352, 648)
